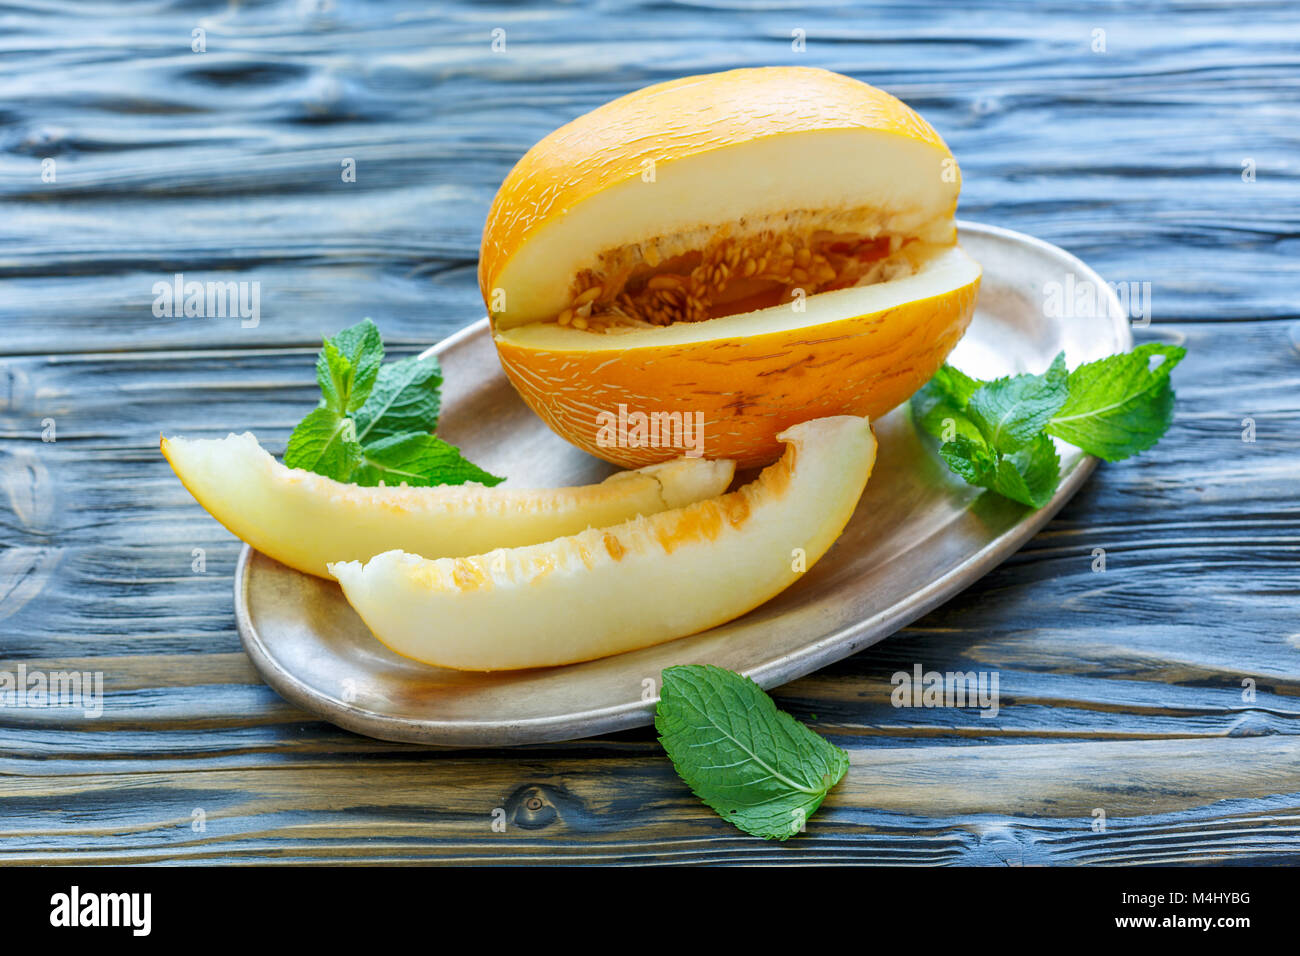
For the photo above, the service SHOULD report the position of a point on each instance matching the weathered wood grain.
(226, 164)
(1164, 691)
(1099, 803)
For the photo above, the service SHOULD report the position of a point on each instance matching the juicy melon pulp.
(305, 520)
(939, 274)
(737, 270)
(609, 590)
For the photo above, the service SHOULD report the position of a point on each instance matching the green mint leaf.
(348, 365)
(325, 443)
(405, 398)
(1029, 476)
(940, 405)
(1012, 411)
(955, 385)
(997, 435)
(334, 375)
(1041, 467)
(1119, 406)
(755, 765)
(374, 421)
(925, 401)
(946, 422)
(971, 459)
(418, 460)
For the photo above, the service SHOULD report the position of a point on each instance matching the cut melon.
(744, 378)
(610, 590)
(755, 248)
(305, 520)
(750, 148)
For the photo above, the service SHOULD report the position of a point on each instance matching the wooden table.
(1125, 691)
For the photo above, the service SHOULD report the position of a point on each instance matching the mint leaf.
(971, 459)
(1029, 476)
(405, 399)
(997, 435)
(1001, 411)
(417, 460)
(1040, 465)
(374, 421)
(946, 422)
(1119, 405)
(325, 443)
(334, 375)
(955, 385)
(755, 765)
(1011, 412)
(347, 366)
(940, 405)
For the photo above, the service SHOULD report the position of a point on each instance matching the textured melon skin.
(610, 590)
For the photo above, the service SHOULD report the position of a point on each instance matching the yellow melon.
(305, 520)
(615, 589)
(732, 253)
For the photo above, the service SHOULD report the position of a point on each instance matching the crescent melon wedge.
(305, 520)
(615, 589)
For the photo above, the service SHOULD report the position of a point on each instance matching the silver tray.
(919, 536)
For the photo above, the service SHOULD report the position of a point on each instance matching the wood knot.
(531, 808)
(534, 807)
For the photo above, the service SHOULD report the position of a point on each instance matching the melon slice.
(616, 589)
(305, 520)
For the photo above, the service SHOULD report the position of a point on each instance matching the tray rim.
(828, 649)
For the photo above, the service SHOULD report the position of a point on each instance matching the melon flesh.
(744, 149)
(610, 590)
(305, 520)
(944, 273)
(752, 183)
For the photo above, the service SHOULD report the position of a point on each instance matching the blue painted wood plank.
(1163, 690)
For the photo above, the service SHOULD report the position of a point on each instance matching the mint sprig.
(1012, 412)
(755, 765)
(997, 434)
(374, 422)
(1120, 405)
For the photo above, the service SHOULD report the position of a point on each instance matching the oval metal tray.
(919, 535)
